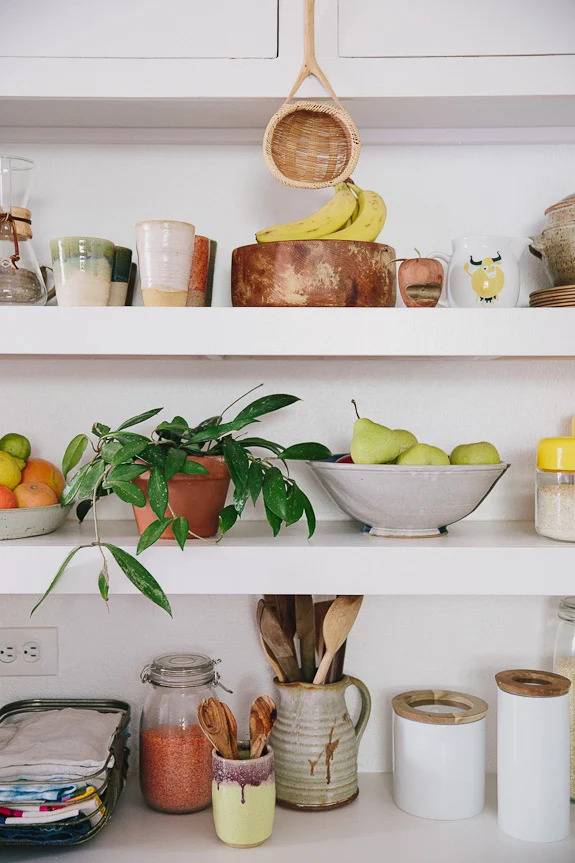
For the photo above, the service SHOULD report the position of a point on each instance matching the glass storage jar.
(555, 494)
(564, 663)
(175, 757)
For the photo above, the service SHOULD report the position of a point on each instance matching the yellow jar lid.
(556, 453)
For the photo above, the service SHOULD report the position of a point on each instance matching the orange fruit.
(41, 471)
(30, 494)
(7, 498)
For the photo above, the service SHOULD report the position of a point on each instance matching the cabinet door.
(455, 28)
(148, 29)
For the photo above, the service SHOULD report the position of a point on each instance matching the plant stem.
(253, 389)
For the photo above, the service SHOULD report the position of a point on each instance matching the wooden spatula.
(214, 722)
(305, 629)
(275, 666)
(279, 644)
(285, 609)
(263, 714)
(320, 610)
(336, 626)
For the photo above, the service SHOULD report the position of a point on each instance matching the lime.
(16, 444)
(10, 474)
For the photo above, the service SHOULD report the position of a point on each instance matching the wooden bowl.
(313, 273)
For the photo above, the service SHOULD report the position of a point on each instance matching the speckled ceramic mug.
(243, 798)
(316, 743)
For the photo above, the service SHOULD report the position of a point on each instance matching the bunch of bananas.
(351, 214)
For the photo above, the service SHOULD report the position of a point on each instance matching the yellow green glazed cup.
(243, 798)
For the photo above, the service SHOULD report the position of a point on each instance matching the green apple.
(373, 443)
(423, 453)
(482, 452)
(406, 439)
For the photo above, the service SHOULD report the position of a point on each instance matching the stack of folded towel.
(53, 766)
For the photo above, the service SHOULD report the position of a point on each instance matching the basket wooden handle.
(310, 66)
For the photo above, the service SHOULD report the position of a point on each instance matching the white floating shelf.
(370, 829)
(476, 557)
(267, 332)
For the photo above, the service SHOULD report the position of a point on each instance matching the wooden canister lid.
(466, 708)
(532, 684)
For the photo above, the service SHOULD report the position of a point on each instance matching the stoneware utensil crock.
(243, 798)
(316, 743)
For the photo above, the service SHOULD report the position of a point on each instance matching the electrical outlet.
(27, 651)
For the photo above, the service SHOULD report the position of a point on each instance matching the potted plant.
(177, 479)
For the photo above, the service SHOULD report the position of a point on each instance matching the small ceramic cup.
(165, 254)
(243, 798)
(120, 276)
(82, 270)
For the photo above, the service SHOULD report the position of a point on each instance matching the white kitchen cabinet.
(140, 29)
(451, 28)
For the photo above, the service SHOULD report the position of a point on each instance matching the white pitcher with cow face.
(483, 272)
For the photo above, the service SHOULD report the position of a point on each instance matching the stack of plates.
(561, 296)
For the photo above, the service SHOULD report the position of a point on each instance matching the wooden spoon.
(275, 666)
(263, 714)
(320, 611)
(215, 723)
(279, 644)
(336, 627)
(305, 628)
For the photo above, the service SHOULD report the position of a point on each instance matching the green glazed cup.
(82, 270)
(243, 798)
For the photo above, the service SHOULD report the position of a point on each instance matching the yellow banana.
(328, 219)
(368, 222)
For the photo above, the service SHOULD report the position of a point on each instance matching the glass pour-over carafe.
(21, 281)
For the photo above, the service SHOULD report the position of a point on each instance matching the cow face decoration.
(487, 277)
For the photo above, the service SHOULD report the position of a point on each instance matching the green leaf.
(295, 505)
(83, 509)
(100, 429)
(266, 405)
(56, 578)
(104, 583)
(158, 492)
(255, 480)
(74, 452)
(275, 494)
(152, 533)
(217, 431)
(181, 529)
(177, 426)
(143, 580)
(71, 490)
(128, 437)
(237, 462)
(126, 473)
(309, 514)
(247, 442)
(129, 451)
(310, 451)
(91, 478)
(139, 419)
(109, 450)
(228, 517)
(174, 462)
(274, 521)
(155, 454)
(129, 493)
(194, 467)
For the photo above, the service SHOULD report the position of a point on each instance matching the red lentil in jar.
(175, 757)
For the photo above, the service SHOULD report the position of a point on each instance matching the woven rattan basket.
(311, 144)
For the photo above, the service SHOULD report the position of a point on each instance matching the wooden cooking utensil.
(263, 714)
(320, 610)
(336, 627)
(215, 723)
(279, 644)
(285, 610)
(305, 628)
(335, 671)
(275, 666)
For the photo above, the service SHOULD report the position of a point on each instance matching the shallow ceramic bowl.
(401, 500)
(31, 521)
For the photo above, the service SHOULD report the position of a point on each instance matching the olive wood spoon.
(214, 726)
(280, 645)
(263, 714)
(275, 666)
(336, 627)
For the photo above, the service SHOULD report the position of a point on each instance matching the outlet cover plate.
(44, 642)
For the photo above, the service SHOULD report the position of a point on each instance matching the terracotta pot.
(313, 273)
(198, 497)
(201, 277)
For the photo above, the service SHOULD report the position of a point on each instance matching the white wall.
(433, 193)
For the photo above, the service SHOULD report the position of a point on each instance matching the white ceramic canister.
(165, 255)
(439, 754)
(533, 755)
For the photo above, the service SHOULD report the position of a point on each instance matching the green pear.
(373, 443)
(482, 452)
(423, 453)
(406, 439)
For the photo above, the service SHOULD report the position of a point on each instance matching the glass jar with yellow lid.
(555, 497)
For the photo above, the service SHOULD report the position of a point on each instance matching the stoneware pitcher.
(315, 744)
(483, 272)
